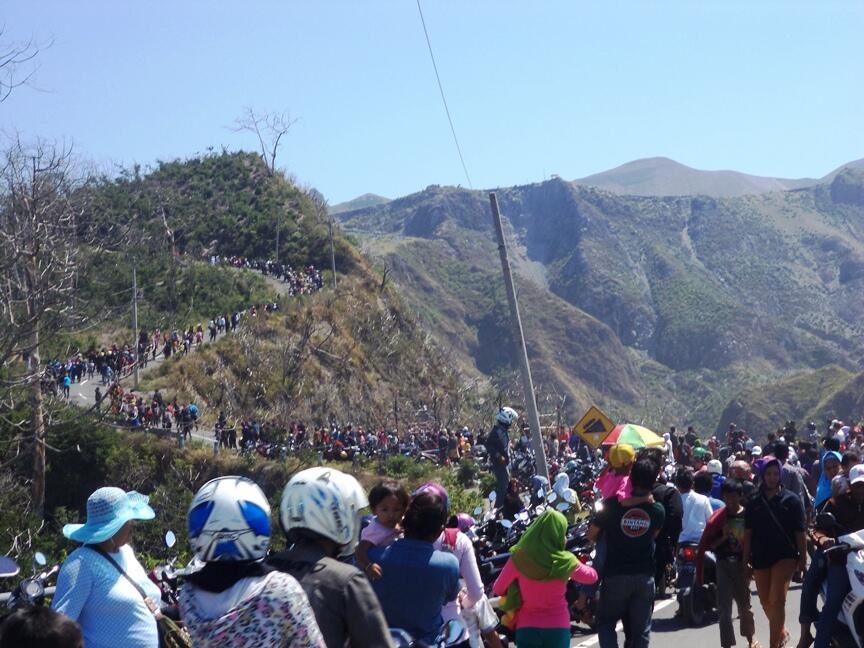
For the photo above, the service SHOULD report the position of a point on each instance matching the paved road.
(667, 632)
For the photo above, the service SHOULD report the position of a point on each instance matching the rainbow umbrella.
(634, 435)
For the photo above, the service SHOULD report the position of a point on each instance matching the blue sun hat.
(108, 509)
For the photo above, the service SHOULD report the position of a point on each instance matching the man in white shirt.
(697, 508)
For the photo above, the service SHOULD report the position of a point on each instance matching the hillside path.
(83, 394)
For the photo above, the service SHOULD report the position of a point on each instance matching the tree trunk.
(37, 422)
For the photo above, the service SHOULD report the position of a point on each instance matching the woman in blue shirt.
(92, 591)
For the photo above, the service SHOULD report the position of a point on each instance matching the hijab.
(219, 576)
(823, 488)
(540, 553)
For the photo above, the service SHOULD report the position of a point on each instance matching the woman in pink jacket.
(534, 580)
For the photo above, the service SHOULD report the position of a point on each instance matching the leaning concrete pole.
(518, 334)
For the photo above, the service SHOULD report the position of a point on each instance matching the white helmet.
(562, 481)
(351, 495)
(229, 520)
(506, 416)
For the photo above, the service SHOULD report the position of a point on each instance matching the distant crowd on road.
(116, 361)
(305, 281)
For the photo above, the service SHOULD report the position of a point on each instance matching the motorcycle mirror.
(170, 539)
(478, 511)
(563, 506)
(540, 493)
(522, 516)
(507, 524)
(39, 559)
(569, 495)
(452, 631)
(551, 497)
(492, 496)
(539, 509)
(8, 567)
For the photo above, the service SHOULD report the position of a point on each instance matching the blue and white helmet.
(229, 520)
(506, 416)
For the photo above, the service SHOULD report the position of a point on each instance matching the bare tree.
(269, 128)
(40, 207)
(16, 64)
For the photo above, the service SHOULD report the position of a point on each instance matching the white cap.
(715, 467)
(756, 451)
(856, 474)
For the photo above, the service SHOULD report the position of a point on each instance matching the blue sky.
(535, 88)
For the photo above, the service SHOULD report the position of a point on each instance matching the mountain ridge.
(706, 295)
(662, 176)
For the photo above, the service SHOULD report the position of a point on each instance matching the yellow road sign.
(594, 427)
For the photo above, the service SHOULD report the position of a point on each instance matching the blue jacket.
(718, 482)
(415, 584)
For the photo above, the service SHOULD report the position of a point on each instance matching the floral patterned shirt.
(278, 615)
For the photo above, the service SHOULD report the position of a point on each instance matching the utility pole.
(135, 323)
(396, 413)
(332, 252)
(277, 241)
(516, 323)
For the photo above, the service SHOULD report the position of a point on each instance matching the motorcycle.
(697, 604)
(167, 578)
(31, 590)
(449, 635)
(848, 632)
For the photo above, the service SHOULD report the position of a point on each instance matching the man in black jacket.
(498, 447)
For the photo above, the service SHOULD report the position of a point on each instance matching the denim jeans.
(838, 588)
(810, 588)
(628, 598)
(502, 481)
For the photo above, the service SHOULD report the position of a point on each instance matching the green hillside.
(826, 393)
(348, 354)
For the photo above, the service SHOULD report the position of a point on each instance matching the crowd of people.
(113, 362)
(316, 593)
(754, 508)
(757, 509)
(305, 281)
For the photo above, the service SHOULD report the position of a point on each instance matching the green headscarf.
(540, 553)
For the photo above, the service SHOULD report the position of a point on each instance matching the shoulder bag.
(779, 526)
(171, 635)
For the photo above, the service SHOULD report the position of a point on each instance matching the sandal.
(785, 640)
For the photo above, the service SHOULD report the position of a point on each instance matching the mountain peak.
(662, 176)
(360, 202)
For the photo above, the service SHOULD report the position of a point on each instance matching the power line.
(443, 98)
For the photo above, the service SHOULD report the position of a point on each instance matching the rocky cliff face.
(711, 292)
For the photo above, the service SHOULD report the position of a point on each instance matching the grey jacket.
(345, 606)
